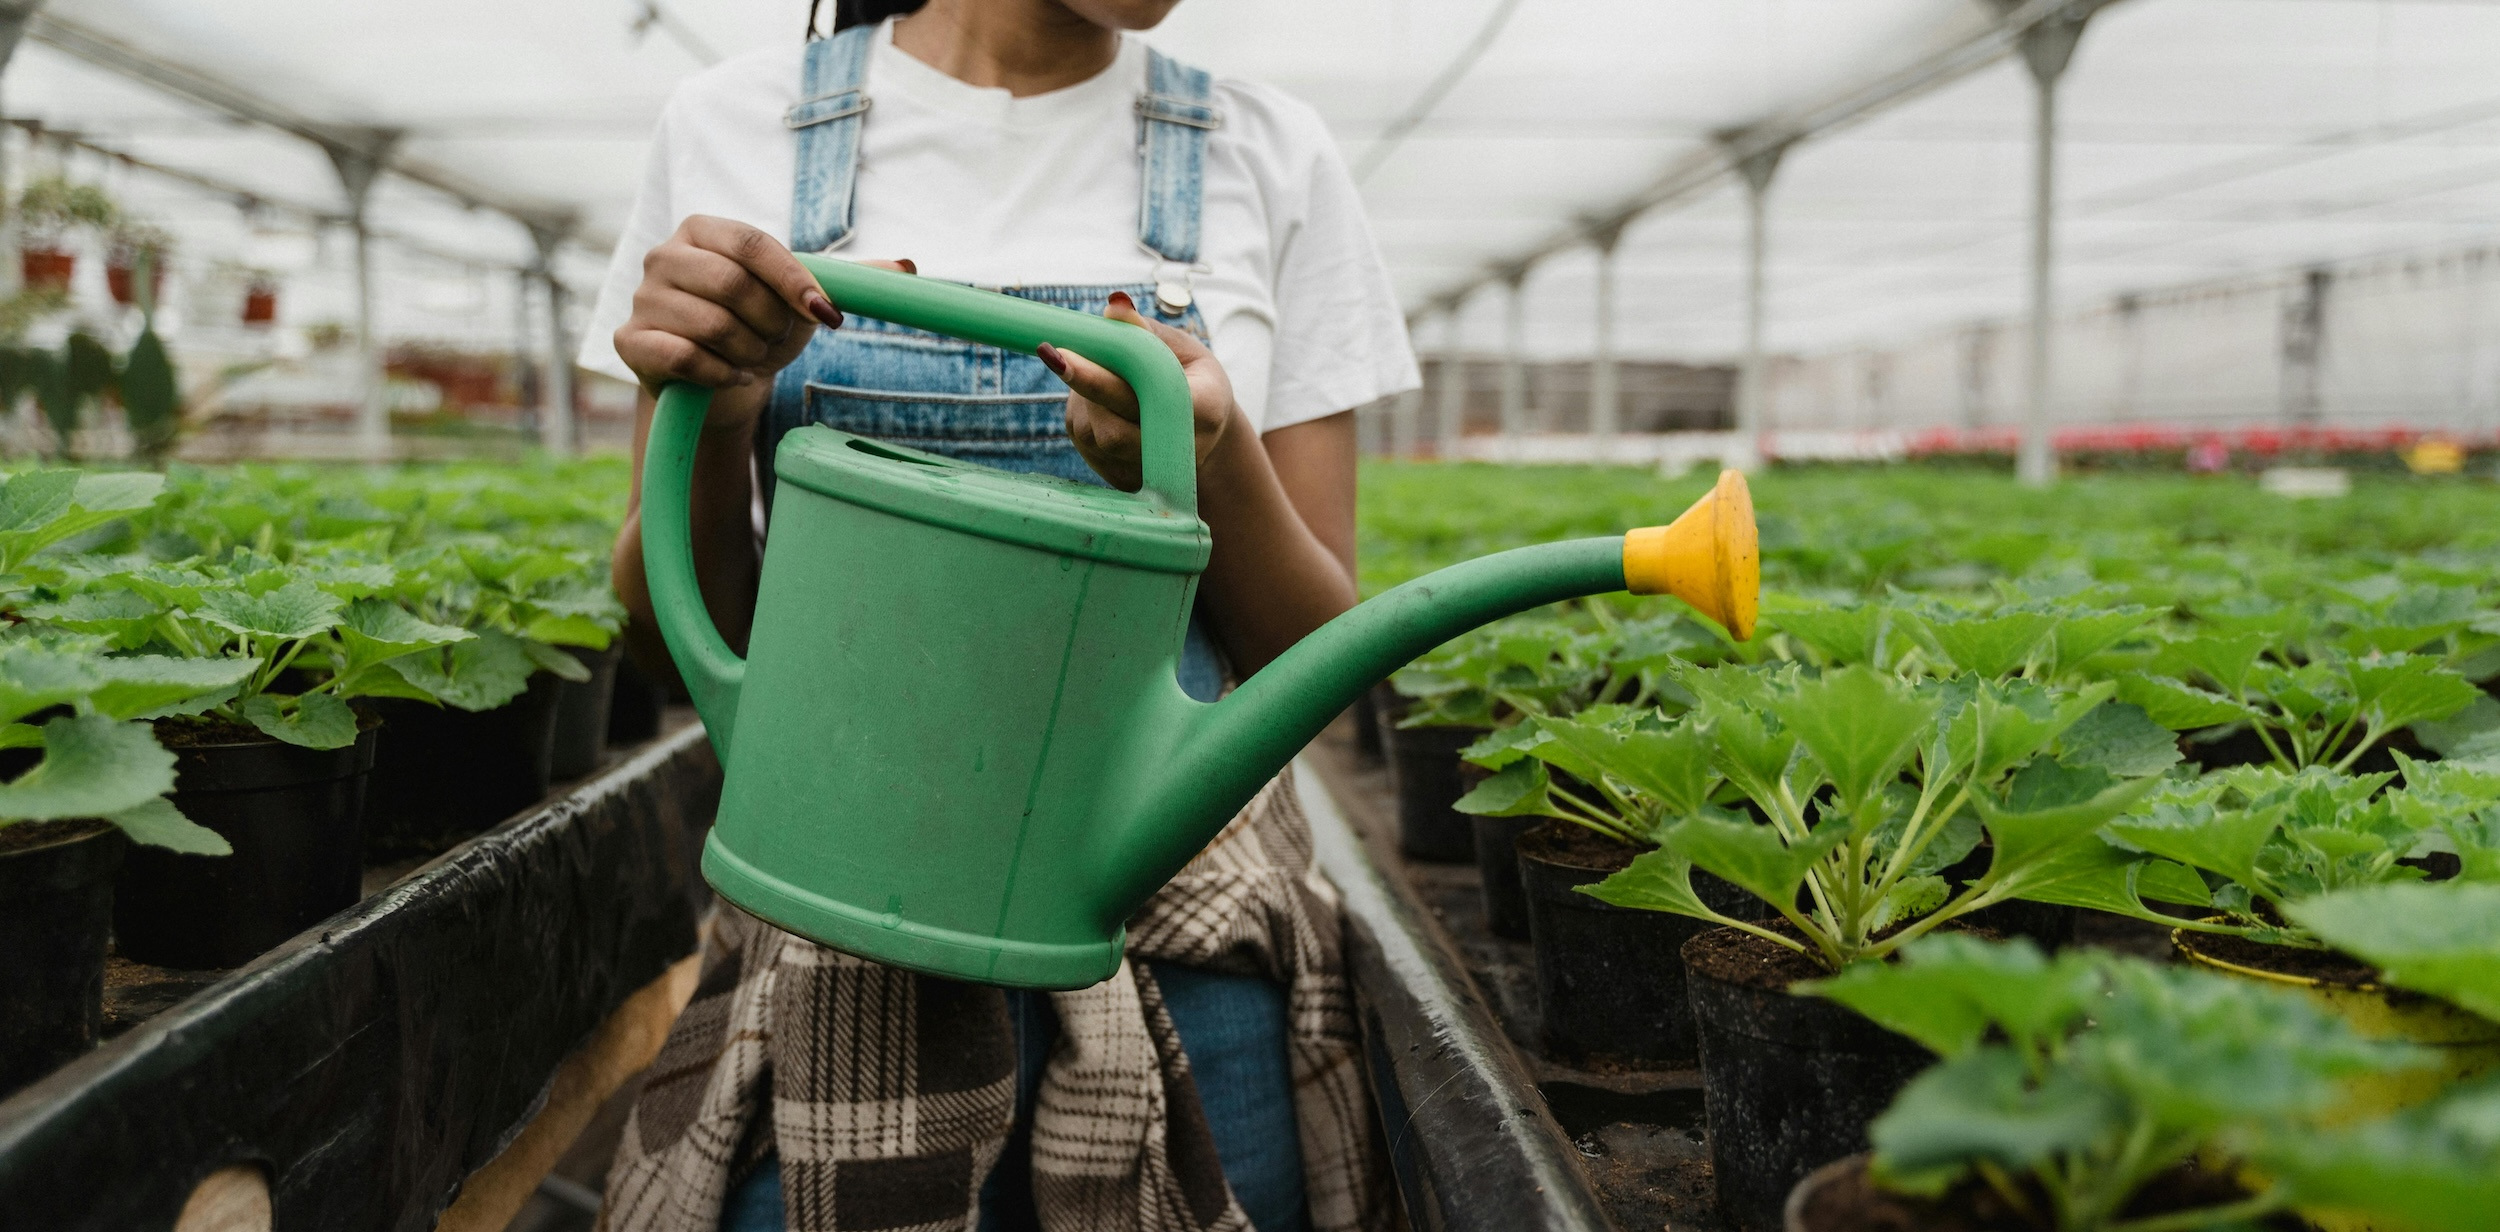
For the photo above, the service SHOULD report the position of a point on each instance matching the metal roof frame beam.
(344, 143)
(1690, 176)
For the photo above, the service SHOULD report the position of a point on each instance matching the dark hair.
(849, 13)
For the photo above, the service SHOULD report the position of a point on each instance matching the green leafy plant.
(2268, 840)
(52, 206)
(1857, 789)
(321, 620)
(2309, 700)
(81, 707)
(2068, 1084)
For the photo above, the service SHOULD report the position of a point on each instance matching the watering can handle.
(712, 671)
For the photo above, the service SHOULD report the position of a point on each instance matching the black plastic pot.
(1424, 763)
(56, 912)
(581, 722)
(1375, 701)
(446, 774)
(1497, 861)
(295, 817)
(1610, 980)
(1789, 1083)
(634, 706)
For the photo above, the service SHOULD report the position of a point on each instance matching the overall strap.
(832, 103)
(1174, 116)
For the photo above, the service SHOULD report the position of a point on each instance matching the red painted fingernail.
(1052, 359)
(823, 310)
(909, 266)
(1120, 299)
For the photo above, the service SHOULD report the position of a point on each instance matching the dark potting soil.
(27, 834)
(2326, 966)
(1740, 958)
(1579, 847)
(1848, 1200)
(199, 731)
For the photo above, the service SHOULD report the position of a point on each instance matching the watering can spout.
(1708, 557)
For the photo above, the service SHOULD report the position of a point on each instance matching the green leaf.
(35, 677)
(152, 686)
(2438, 938)
(125, 617)
(2200, 835)
(316, 721)
(1947, 991)
(2224, 660)
(296, 610)
(1842, 635)
(555, 659)
(2435, 1168)
(2397, 690)
(2082, 634)
(33, 499)
(2047, 809)
(1749, 855)
(2177, 706)
(92, 767)
(1908, 899)
(1990, 646)
(158, 823)
(1655, 881)
(1672, 767)
(1517, 790)
(1861, 724)
(2472, 732)
(377, 630)
(1981, 1107)
(482, 673)
(2121, 739)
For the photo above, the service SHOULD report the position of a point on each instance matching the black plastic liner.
(1468, 1135)
(375, 1061)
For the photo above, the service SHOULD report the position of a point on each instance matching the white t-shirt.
(977, 186)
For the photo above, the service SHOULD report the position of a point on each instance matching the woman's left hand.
(1102, 409)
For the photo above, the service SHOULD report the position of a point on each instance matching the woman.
(1025, 145)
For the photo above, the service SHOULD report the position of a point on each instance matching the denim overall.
(1005, 409)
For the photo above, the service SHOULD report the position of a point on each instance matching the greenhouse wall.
(2408, 342)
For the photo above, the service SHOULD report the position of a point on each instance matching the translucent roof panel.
(2202, 138)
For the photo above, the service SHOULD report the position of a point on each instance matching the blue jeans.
(1232, 1028)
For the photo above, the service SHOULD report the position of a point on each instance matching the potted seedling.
(278, 762)
(1857, 789)
(489, 701)
(1486, 680)
(2088, 1093)
(1631, 656)
(2271, 842)
(49, 211)
(83, 778)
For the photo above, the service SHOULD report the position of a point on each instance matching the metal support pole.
(1514, 364)
(2047, 48)
(14, 14)
(555, 423)
(2304, 349)
(528, 389)
(359, 164)
(1751, 389)
(1453, 408)
(1605, 391)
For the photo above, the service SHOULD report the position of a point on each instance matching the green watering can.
(958, 743)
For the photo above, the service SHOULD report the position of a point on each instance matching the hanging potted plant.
(2095, 1094)
(133, 247)
(277, 762)
(260, 299)
(50, 210)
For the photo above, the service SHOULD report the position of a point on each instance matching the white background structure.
(2210, 155)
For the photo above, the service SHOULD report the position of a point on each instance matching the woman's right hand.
(722, 305)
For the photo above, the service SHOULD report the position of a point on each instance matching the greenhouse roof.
(2203, 139)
